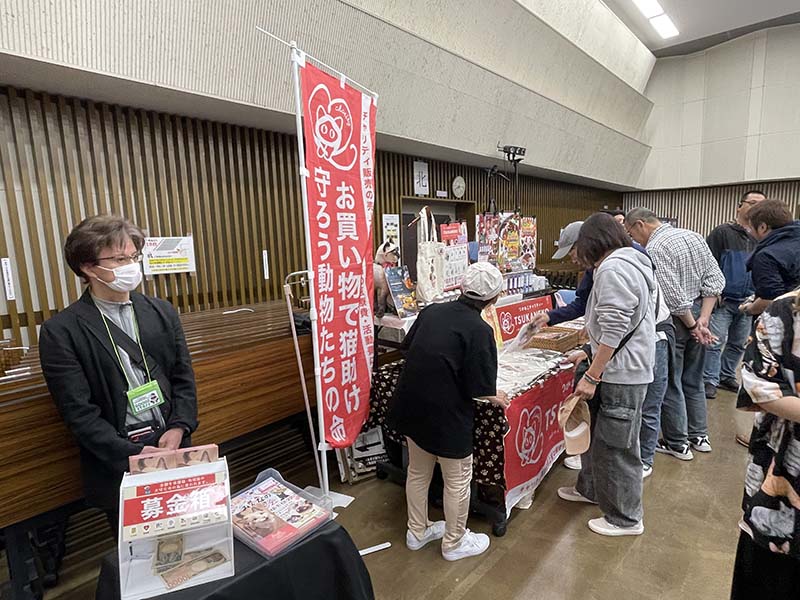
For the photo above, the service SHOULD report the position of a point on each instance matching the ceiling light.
(649, 8)
(664, 26)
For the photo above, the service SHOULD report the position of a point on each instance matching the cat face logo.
(507, 323)
(530, 439)
(333, 128)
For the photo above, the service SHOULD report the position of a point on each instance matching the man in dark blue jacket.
(775, 263)
(731, 244)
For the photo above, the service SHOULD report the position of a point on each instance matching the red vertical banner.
(339, 134)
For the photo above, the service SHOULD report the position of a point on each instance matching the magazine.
(403, 291)
(271, 517)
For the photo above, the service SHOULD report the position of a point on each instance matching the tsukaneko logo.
(333, 128)
(507, 322)
(530, 436)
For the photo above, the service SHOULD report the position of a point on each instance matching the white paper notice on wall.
(8, 279)
(421, 183)
(164, 255)
(265, 258)
(391, 228)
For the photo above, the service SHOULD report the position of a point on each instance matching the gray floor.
(687, 550)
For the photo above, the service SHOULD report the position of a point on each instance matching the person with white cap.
(451, 359)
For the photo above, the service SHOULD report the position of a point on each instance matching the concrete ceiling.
(705, 23)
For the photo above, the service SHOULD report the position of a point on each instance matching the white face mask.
(126, 278)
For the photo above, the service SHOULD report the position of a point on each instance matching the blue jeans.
(651, 410)
(732, 328)
(683, 413)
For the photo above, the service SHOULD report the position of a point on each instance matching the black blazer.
(89, 387)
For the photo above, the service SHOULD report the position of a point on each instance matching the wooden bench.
(246, 376)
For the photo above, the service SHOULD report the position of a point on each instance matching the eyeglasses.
(122, 259)
(628, 230)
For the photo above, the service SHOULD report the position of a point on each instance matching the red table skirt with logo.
(513, 451)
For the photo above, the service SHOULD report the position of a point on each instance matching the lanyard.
(139, 341)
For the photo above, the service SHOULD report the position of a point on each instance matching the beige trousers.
(457, 474)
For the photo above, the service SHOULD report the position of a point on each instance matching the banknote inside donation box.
(175, 527)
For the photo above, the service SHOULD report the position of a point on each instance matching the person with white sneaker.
(691, 281)
(620, 321)
(451, 359)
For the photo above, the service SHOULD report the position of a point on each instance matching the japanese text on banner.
(339, 131)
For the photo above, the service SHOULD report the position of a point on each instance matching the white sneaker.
(573, 462)
(572, 495)
(471, 544)
(525, 503)
(434, 532)
(647, 470)
(701, 444)
(603, 527)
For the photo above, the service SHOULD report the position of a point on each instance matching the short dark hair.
(600, 234)
(772, 213)
(748, 192)
(91, 235)
(474, 303)
(614, 213)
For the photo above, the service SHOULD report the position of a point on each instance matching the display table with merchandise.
(326, 564)
(514, 450)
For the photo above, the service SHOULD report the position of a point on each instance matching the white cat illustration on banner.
(530, 436)
(333, 128)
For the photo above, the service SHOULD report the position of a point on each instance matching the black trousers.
(760, 574)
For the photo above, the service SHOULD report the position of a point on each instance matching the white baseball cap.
(482, 281)
(569, 235)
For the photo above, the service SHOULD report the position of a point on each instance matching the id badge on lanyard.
(145, 397)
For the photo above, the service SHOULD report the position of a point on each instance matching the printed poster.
(456, 253)
(391, 228)
(162, 255)
(339, 129)
(528, 241)
(487, 228)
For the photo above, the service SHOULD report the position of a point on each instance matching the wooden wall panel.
(235, 189)
(702, 209)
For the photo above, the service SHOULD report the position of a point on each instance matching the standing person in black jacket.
(775, 263)
(731, 244)
(105, 354)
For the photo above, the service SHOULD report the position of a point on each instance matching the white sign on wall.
(8, 279)
(168, 255)
(421, 182)
(391, 228)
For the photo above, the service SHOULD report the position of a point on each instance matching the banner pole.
(297, 58)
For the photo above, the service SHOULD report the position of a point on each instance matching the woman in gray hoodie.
(620, 322)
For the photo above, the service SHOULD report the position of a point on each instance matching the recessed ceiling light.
(649, 8)
(664, 26)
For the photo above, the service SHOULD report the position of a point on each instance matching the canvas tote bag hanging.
(430, 259)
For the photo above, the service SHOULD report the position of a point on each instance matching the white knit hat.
(482, 281)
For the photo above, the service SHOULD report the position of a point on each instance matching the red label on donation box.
(339, 128)
(513, 316)
(174, 504)
(534, 440)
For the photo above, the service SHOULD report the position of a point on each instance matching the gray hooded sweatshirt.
(624, 297)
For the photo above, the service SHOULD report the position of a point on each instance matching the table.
(514, 450)
(325, 566)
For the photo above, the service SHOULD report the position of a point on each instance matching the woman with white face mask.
(116, 361)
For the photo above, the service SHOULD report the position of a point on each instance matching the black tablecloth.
(326, 565)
